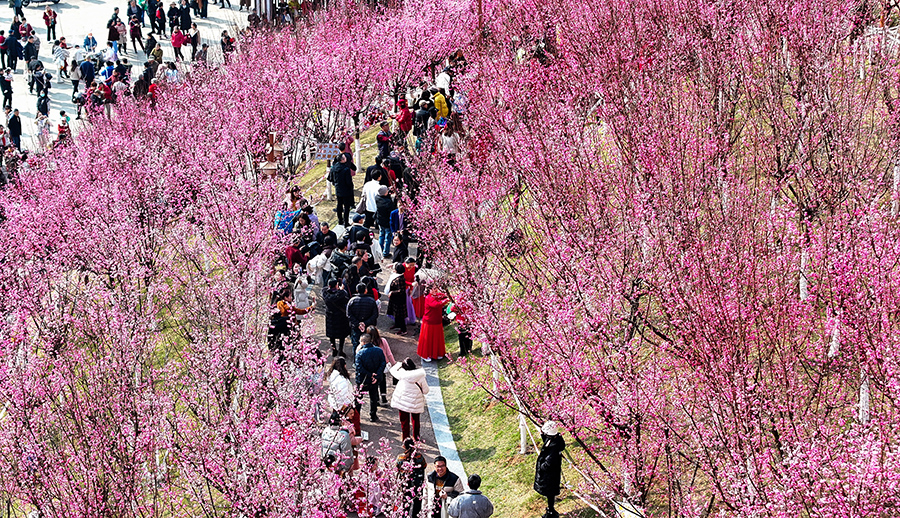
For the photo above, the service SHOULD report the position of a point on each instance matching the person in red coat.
(404, 118)
(431, 334)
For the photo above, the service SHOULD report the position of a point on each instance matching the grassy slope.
(325, 208)
(487, 436)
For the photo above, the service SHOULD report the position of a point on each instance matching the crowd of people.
(366, 268)
(100, 71)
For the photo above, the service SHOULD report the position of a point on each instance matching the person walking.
(382, 343)
(6, 82)
(43, 104)
(409, 396)
(159, 19)
(61, 60)
(384, 207)
(17, 8)
(194, 39)
(178, 39)
(341, 176)
(50, 22)
(370, 365)
(134, 11)
(369, 193)
(122, 31)
(385, 140)
(29, 51)
(13, 50)
(137, 39)
(75, 77)
(337, 325)
(174, 15)
(87, 72)
(3, 47)
(149, 45)
(471, 504)
(184, 20)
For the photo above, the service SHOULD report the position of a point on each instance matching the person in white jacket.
(409, 395)
(341, 397)
(317, 266)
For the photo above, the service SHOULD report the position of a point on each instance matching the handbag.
(361, 206)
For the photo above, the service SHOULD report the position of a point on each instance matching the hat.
(358, 218)
(550, 428)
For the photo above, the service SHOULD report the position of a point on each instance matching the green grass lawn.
(487, 436)
(325, 208)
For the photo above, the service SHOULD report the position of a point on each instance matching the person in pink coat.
(178, 39)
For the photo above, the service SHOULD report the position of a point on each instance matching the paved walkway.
(76, 19)
(440, 424)
(435, 427)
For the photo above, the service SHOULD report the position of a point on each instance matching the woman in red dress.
(431, 334)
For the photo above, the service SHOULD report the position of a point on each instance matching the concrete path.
(440, 423)
(75, 19)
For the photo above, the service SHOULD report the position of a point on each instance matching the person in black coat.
(358, 233)
(30, 51)
(174, 15)
(548, 469)
(15, 130)
(370, 364)
(13, 50)
(422, 120)
(337, 326)
(362, 311)
(280, 329)
(397, 299)
(185, 16)
(354, 274)
(325, 232)
(370, 171)
(342, 178)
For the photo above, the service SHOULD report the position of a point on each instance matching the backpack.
(339, 264)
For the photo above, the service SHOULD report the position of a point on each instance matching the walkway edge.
(440, 423)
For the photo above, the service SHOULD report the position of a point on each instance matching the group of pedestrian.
(346, 264)
(104, 70)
